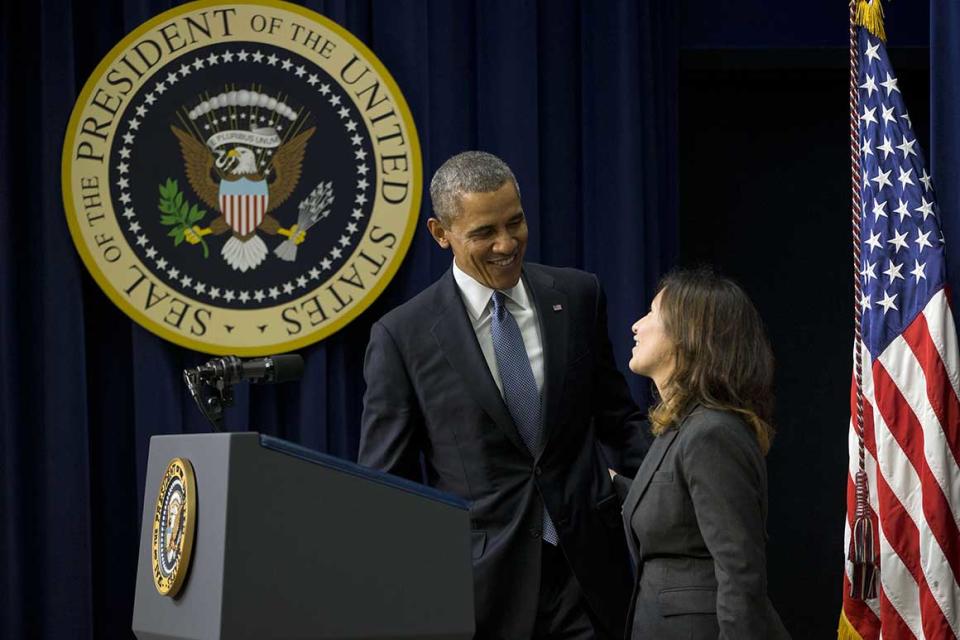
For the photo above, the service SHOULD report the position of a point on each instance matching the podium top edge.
(310, 455)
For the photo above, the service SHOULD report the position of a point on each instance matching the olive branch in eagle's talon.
(180, 215)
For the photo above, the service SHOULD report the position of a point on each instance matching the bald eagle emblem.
(243, 153)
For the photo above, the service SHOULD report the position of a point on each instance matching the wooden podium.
(291, 543)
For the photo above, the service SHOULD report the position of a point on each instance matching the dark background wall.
(764, 171)
(765, 196)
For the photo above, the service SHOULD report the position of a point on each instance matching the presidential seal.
(241, 178)
(174, 521)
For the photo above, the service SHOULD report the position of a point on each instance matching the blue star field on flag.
(902, 253)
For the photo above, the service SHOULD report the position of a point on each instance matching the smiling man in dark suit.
(501, 376)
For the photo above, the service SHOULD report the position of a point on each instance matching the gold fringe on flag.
(846, 631)
(870, 17)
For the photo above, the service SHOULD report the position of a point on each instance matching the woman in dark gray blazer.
(696, 512)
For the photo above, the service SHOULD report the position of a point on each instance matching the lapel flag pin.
(557, 307)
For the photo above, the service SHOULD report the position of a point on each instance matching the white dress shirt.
(478, 299)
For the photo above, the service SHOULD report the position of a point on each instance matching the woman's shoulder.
(705, 423)
(704, 417)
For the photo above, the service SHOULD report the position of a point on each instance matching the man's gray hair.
(467, 172)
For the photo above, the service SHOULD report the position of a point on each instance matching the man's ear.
(438, 232)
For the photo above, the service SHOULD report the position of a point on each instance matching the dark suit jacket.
(429, 391)
(696, 521)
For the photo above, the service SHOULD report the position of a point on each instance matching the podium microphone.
(282, 368)
(211, 384)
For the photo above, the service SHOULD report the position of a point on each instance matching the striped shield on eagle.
(245, 184)
(244, 203)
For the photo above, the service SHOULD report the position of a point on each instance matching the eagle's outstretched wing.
(287, 165)
(199, 162)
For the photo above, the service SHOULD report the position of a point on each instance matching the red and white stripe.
(912, 437)
(244, 213)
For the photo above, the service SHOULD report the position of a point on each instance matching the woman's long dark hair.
(723, 357)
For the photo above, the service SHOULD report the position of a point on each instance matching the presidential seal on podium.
(174, 523)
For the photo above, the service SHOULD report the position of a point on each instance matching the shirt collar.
(477, 296)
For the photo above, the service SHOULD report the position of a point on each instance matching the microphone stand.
(211, 387)
(211, 384)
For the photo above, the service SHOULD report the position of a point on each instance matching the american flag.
(910, 365)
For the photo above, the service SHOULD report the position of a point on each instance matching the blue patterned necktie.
(519, 386)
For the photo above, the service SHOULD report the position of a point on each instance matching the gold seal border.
(107, 286)
(172, 587)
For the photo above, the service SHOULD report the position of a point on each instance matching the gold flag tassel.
(870, 17)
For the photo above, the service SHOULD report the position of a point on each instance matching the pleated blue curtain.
(579, 97)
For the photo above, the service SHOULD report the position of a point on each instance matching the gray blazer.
(696, 528)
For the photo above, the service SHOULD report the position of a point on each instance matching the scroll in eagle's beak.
(232, 153)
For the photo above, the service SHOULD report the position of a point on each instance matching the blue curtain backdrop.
(945, 130)
(578, 97)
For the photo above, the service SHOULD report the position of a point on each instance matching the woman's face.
(652, 354)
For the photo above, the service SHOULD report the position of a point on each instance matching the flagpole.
(864, 579)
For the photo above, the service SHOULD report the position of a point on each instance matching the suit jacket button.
(535, 533)
(537, 470)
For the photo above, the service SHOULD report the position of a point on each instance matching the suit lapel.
(550, 304)
(458, 341)
(650, 465)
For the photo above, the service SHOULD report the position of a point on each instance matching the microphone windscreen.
(287, 367)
